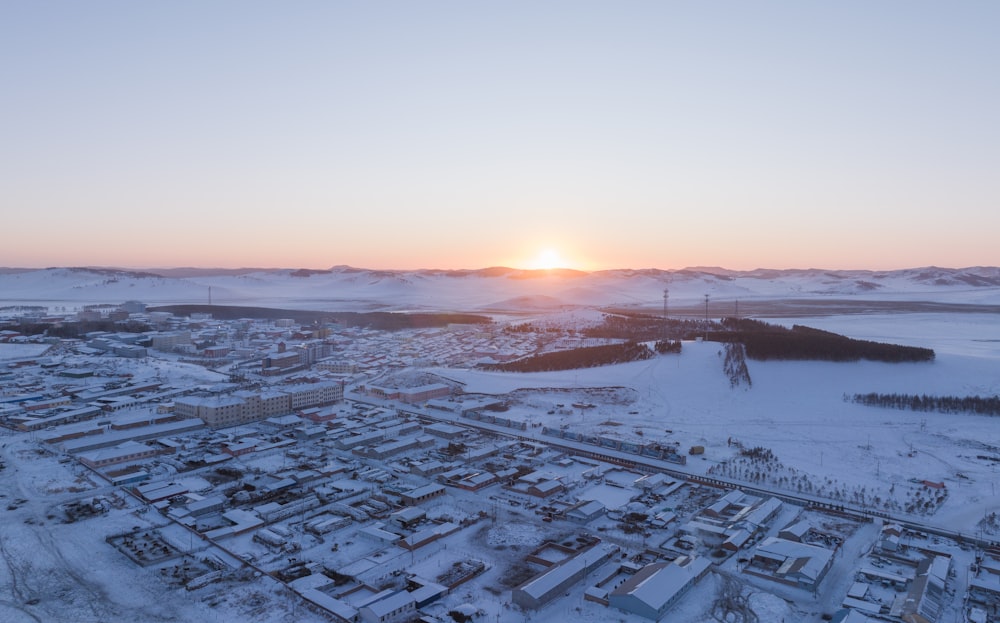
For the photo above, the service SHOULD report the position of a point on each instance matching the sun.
(549, 259)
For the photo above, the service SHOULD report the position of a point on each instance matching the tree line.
(585, 357)
(75, 329)
(667, 347)
(765, 341)
(644, 328)
(979, 405)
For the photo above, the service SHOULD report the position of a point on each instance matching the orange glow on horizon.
(548, 259)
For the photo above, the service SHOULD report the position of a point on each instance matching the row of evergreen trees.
(763, 341)
(78, 328)
(667, 347)
(644, 327)
(586, 357)
(766, 341)
(735, 366)
(979, 405)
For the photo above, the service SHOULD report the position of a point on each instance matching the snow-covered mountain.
(491, 289)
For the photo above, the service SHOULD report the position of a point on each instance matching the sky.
(589, 135)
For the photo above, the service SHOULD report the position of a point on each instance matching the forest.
(762, 340)
(80, 328)
(586, 357)
(979, 405)
(765, 341)
(644, 327)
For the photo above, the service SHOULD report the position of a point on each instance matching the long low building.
(116, 437)
(122, 453)
(421, 494)
(656, 587)
(554, 581)
(242, 407)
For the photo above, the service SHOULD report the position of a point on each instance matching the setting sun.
(548, 259)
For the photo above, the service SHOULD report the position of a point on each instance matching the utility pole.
(666, 295)
(706, 318)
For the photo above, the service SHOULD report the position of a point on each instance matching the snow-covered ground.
(795, 409)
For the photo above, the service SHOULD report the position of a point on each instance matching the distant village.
(327, 460)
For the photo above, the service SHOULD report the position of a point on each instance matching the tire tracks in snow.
(16, 584)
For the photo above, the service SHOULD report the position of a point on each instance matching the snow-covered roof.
(809, 561)
(544, 582)
(115, 453)
(419, 492)
(657, 584)
(390, 603)
(763, 511)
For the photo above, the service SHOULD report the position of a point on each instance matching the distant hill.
(760, 291)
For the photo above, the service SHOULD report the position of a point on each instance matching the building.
(171, 340)
(217, 411)
(320, 414)
(281, 362)
(314, 394)
(796, 531)
(424, 393)
(585, 512)
(273, 404)
(122, 453)
(656, 587)
(385, 393)
(544, 488)
(220, 411)
(445, 431)
(421, 494)
(926, 600)
(242, 447)
(554, 581)
(312, 351)
(216, 352)
(408, 517)
(337, 366)
(788, 562)
(394, 605)
(427, 536)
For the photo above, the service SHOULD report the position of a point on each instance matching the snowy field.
(797, 409)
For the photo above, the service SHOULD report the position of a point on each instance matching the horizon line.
(567, 269)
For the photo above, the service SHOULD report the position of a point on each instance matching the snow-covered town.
(500, 312)
(187, 467)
